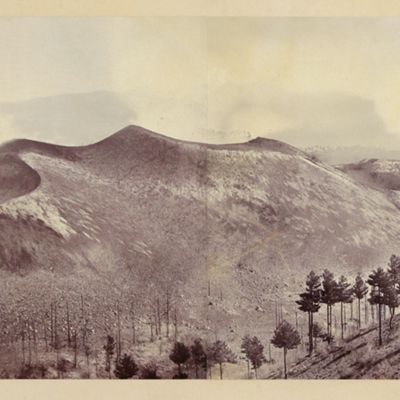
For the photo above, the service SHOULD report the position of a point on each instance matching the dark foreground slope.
(358, 357)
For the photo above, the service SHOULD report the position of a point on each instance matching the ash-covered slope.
(251, 218)
(383, 174)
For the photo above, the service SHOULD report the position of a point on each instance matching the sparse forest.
(146, 335)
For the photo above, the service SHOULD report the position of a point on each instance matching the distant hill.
(351, 154)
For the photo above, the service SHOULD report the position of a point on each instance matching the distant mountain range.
(352, 154)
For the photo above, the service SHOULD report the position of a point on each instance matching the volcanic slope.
(249, 220)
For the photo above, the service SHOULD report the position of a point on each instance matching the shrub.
(126, 367)
(149, 371)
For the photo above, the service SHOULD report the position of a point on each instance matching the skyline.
(306, 81)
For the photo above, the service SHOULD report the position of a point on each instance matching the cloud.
(83, 118)
(306, 81)
(301, 119)
(69, 119)
(336, 119)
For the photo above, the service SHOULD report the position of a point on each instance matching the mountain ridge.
(131, 131)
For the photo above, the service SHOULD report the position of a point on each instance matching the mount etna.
(215, 236)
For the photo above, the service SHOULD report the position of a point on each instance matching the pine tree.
(360, 289)
(254, 351)
(309, 303)
(379, 280)
(285, 337)
(256, 355)
(221, 354)
(208, 349)
(391, 299)
(199, 356)
(109, 348)
(394, 270)
(317, 333)
(329, 297)
(179, 355)
(344, 293)
(245, 348)
(126, 367)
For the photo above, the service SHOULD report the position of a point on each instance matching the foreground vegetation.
(147, 337)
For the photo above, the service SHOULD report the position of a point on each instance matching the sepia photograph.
(199, 198)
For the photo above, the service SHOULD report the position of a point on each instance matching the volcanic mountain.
(241, 222)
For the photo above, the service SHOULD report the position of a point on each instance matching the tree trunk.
(359, 314)
(392, 311)
(341, 320)
(119, 346)
(327, 321)
(176, 326)
(284, 362)
(301, 334)
(155, 322)
(23, 345)
(310, 333)
(220, 370)
(167, 314)
(83, 318)
(51, 326)
(29, 344)
(45, 334)
(108, 364)
(75, 348)
(159, 316)
(133, 327)
(151, 331)
(351, 311)
(87, 362)
(68, 327)
(56, 340)
(365, 310)
(380, 323)
(35, 346)
(248, 369)
(133, 330)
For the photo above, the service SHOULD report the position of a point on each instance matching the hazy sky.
(306, 81)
